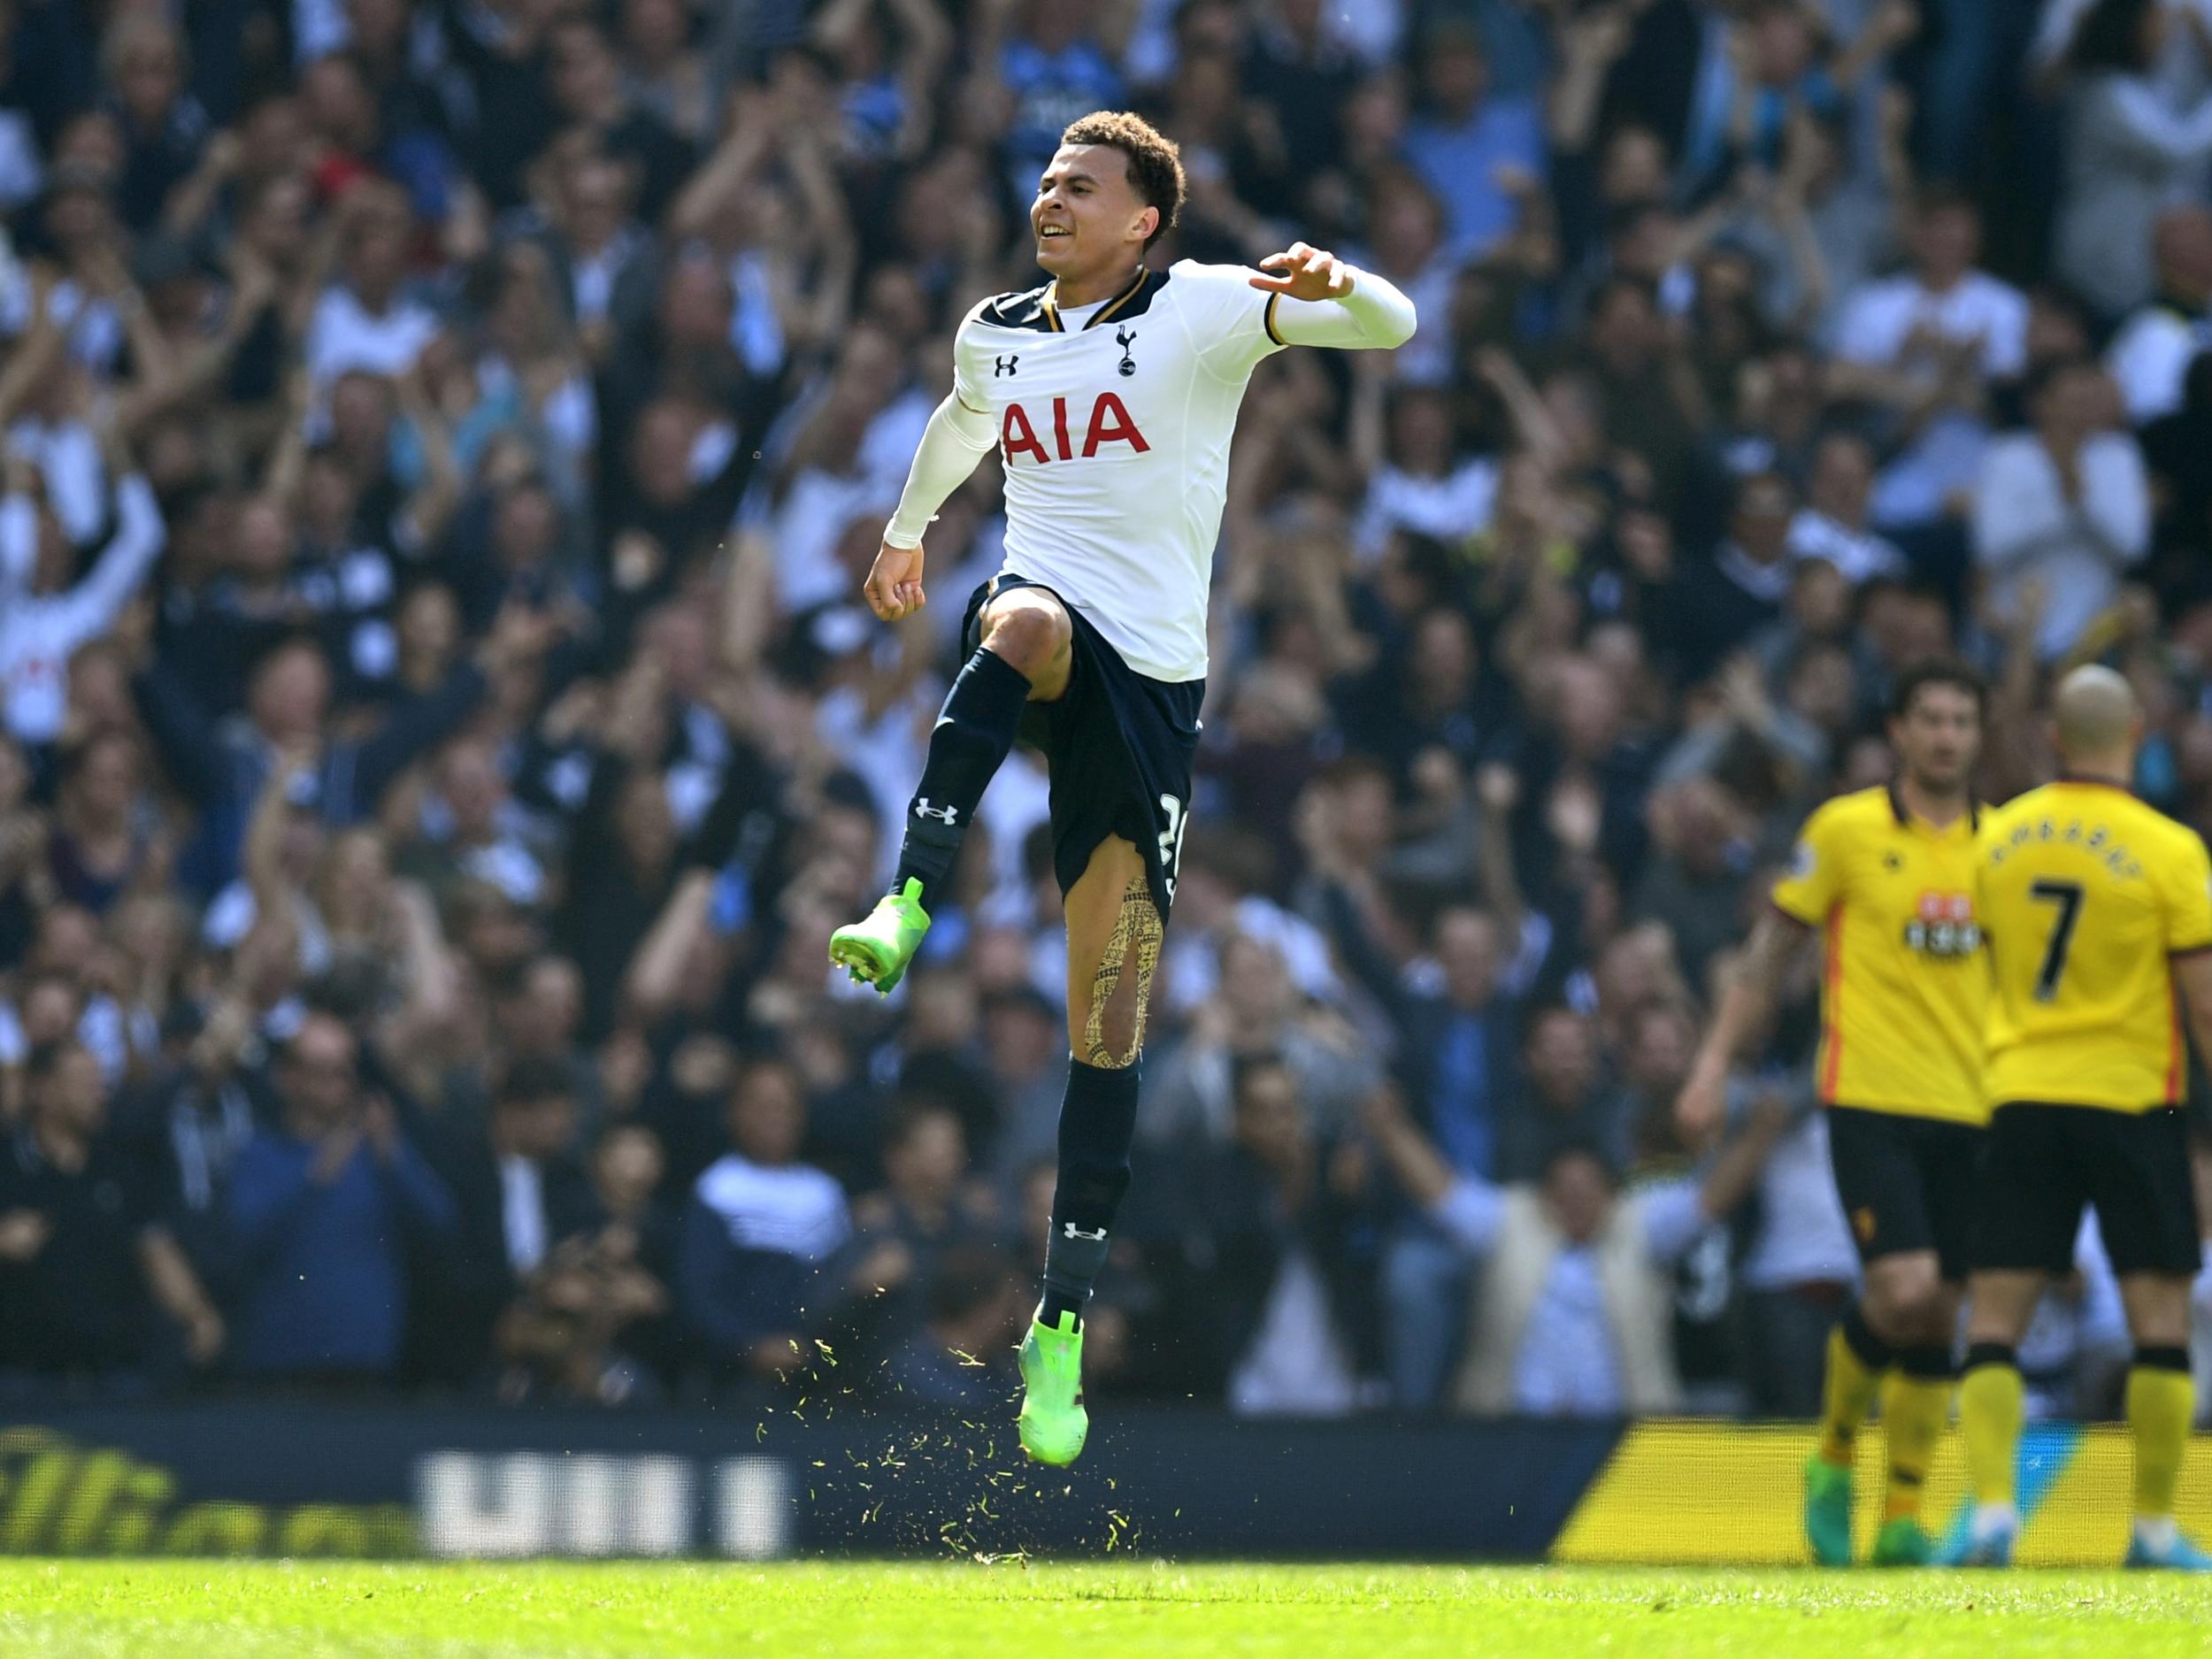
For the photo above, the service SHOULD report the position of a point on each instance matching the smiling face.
(1089, 218)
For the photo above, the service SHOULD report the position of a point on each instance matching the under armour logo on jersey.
(946, 814)
(1124, 338)
(1005, 366)
(1074, 1231)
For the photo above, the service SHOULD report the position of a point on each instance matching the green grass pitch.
(217, 1610)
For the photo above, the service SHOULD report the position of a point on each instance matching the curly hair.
(1155, 165)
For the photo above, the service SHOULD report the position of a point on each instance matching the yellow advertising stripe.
(1685, 1493)
(1694, 1493)
(2083, 1517)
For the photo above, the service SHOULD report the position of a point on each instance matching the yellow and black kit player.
(2099, 913)
(1886, 877)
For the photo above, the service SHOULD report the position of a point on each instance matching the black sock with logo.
(974, 731)
(1098, 1123)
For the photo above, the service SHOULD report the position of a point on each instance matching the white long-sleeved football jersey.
(1115, 433)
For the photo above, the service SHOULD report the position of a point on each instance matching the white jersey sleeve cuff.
(1374, 316)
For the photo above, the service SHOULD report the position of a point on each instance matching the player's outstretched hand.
(1304, 272)
(894, 582)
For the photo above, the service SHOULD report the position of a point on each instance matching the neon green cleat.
(875, 951)
(1053, 1423)
(1828, 1512)
(1901, 1543)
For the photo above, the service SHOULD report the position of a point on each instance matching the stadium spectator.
(2150, 351)
(223, 769)
(1929, 345)
(957, 1359)
(590, 1322)
(190, 1121)
(518, 1193)
(1696, 882)
(85, 1258)
(43, 625)
(102, 843)
(1571, 1315)
(928, 1208)
(1255, 1010)
(1562, 1100)
(1456, 1068)
(1027, 1062)
(1293, 1331)
(759, 1230)
(2063, 509)
(2129, 153)
(1833, 525)
(1741, 591)
(1482, 154)
(325, 1205)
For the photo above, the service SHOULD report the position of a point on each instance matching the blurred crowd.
(443, 442)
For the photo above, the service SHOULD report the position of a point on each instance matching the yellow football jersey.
(1905, 993)
(2085, 893)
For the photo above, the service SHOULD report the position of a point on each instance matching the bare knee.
(1906, 1300)
(2157, 1308)
(1029, 638)
(1999, 1304)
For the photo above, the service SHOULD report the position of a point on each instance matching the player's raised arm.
(1321, 301)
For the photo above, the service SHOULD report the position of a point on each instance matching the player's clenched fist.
(894, 582)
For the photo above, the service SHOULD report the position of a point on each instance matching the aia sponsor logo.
(1109, 422)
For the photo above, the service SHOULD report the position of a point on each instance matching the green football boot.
(1053, 1423)
(1828, 1512)
(875, 951)
(1902, 1543)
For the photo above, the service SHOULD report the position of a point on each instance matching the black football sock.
(974, 731)
(1098, 1120)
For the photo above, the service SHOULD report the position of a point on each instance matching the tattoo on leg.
(1137, 935)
